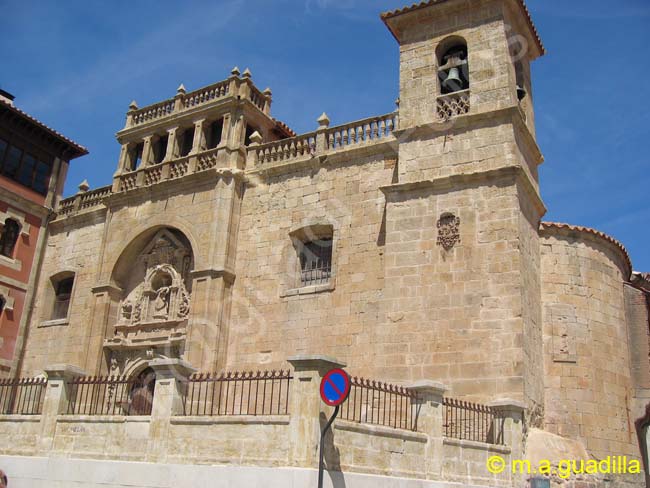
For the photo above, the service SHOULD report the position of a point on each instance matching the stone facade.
(439, 270)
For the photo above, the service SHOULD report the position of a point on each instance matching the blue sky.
(76, 65)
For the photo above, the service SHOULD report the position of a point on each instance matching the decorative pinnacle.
(84, 186)
(267, 92)
(133, 105)
(256, 138)
(235, 71)
(323, 120)
(247, 73)
(180, 90)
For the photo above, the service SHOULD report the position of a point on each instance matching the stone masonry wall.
(71, 246)
(586, 353)
(267, 326)
(455, 315)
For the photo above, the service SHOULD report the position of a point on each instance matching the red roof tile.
(76, 148)
(597, 233)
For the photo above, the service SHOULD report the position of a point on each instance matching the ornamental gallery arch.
(153, 273)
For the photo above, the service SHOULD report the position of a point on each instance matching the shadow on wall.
(332, 456)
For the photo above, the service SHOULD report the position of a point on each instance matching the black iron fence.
(108, 395)
(472, 421)
(373, 402)
(22, 396)
(238, 393)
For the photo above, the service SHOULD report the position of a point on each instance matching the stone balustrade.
(288, 439)
(83, 200)
(323, 141)
(167, 170)
(206, 94)
(302, 146)
(235, 86)
(363, 131)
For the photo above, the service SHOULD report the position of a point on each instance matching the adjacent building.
(33, 163)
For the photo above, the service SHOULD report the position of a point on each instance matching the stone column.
(306, 406)
(172, 144)
(198, 144)
(171, 385)
(225, 131)
(57, 396)
(146, 152)
(104, 313)
(509, 419)
(430, 421)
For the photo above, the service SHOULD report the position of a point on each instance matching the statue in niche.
(161, 303)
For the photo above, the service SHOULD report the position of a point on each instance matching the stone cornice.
(227, 274)
(187, 182)
(382, 146)
(455, 181)
(462, 122)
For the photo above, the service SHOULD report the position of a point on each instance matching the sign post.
(334, 390)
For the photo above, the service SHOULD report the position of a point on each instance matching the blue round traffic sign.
(335, 387)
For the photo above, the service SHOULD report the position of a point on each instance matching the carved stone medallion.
(448, 231)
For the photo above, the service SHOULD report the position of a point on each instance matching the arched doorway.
(141, 393)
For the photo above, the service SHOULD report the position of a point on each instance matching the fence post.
(306, 407)
(57, 396)
(430, 420)
(171, 382)
(510, 414)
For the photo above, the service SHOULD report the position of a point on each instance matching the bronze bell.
(453, 82)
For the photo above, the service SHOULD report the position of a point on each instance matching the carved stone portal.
(448, 231)
(152, 317)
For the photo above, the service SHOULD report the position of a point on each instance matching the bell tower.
(462, 57)
(463, 218)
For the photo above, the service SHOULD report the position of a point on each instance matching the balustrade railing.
(206, 94)
(238, 393)
(257, 97)
(365, 131)
(472, 421)
(286, 149)
(186, 101)
(361, 131)
(94, 197)
(153, 112)
(374, 402)
(66, 206)
(82, 201)
(22, 396)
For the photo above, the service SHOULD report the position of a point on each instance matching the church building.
(184, 314)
